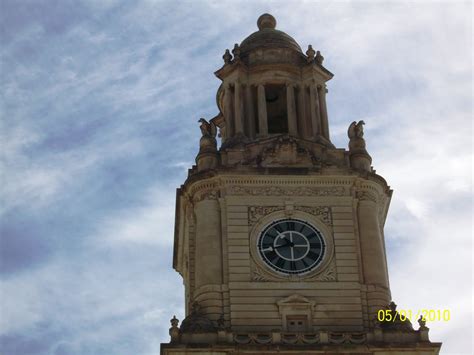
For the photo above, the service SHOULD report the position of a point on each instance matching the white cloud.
(151, 224)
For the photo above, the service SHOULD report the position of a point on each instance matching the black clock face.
(291, 246)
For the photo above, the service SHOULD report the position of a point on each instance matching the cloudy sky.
(99, 107)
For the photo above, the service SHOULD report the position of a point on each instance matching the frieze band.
(257, 212)
(287, 191)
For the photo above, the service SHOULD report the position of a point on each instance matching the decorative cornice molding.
(286, 191)
(273, 184)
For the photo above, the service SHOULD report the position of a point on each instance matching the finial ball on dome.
(266, 21)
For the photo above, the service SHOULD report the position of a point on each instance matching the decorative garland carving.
(257, 212)
(300, 338)
(347, 338)
(323, 212)
(287, 191)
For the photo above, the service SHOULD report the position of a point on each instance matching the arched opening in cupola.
(277, 113)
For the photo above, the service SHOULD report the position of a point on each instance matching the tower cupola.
(270, 88)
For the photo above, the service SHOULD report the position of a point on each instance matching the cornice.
(287, 185)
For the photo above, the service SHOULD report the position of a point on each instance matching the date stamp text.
(430, 315)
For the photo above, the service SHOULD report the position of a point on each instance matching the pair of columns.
(234, 111)
(318, 111)
(312, 118)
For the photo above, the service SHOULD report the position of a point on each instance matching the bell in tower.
(279, 234)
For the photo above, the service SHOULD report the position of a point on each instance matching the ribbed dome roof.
(268, 37)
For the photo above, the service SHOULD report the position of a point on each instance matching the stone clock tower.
(279, 234)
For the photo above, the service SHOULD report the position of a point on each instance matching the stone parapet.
(379, 341)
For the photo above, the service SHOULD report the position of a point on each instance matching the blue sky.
(99, 108)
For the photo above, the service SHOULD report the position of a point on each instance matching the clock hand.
(287, 243)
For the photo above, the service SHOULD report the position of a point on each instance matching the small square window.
(297, 323)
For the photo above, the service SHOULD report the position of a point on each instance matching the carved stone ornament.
(206, 195)
(257, 212)
(258, 275)
(174, 322)
(287, 191)
(366, 196)
(196, 322)
(356, 130)
(208, 129)
(174, 330)
(323, 212)
(286, 152)
(422, 323)
(310, 53)
(359, 157)
(227, 57)
(319, 58)
(261, 275)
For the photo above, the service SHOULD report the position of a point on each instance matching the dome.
(268, 37)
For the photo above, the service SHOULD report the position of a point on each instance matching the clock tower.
(279, 234)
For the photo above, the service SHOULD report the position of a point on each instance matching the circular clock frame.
(291, 246)
(322, 231)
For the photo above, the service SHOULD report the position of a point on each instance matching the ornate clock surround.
(264, 272)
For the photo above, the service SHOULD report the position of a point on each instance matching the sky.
(99, 108)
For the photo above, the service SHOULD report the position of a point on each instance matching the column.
(262, 112)
(291, 109)
(208, 271)
(374, 263)
(229, 132)
(324, 111)
(302, 117)
(250, 112)
(314, 109)
(208, 251)
(238, 110)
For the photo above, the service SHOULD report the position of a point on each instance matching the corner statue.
(207, 158)
(207, 129)
(360, 158)
(356, 130)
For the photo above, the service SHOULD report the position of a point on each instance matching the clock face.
(291, 246)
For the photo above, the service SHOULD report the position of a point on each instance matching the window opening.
(277, 114)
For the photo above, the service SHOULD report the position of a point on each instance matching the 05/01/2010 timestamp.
(430, 315)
